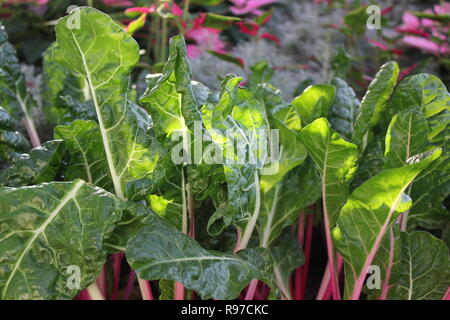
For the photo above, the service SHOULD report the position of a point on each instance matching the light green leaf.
(314, 102)
(281, 206)
(407, 136)
(50, 230)
(368, 214)
(336, 160)
(102, 52)
(170, 98)
(243, 116)
(429, 95)
(284, 118)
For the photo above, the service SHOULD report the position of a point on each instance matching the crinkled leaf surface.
(10, 139)
(64, 93)
(424, 270)
(160, 251)
(375, 101)
(170, 99)
(87, 160)
(48, 229)
(243, 116)
(345, 109)
(284, 118)
(14, 94)
(41, 164)
(102, 52)
(427, 93)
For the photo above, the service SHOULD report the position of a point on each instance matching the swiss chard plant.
(187, 193)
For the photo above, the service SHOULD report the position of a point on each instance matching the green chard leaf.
(281, 206)
(345, 109)
(424, 269)
(41, 164)
(374, 102)
(426, 97)
(15, 96)
(407, 136)
(429, 95)
(104, 54)
(336, 160)
(284, 118)
(369, 212)
(86, 160)
(243, 116)
(50, 230)
(64, 93)
(314, 102)
(174, 256)
(288, 256)
(11, 141)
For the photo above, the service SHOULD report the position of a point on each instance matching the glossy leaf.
(429, 95)
(284, 118)
(61, 89)
(242, 115)
(102, 52)
(41, 164)
(369, 212)
(345, 109)
(282, 205)
(170, 98)
(86, 160)
(336, 160)
(407, 136)
(375, 101)
(314, 102)
(10, 139)
(50, 230)
(159, 251)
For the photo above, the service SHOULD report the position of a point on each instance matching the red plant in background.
(241, 7)
(38, 2)
(426, 34)
(118, 3)
(205, 38)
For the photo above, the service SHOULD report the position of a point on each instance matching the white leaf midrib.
(36, 233)
(114, 176)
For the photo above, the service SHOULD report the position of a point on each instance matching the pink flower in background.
(39, 2)
(118, 3)
(205, 39)
(420, 32)
(241, 7)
